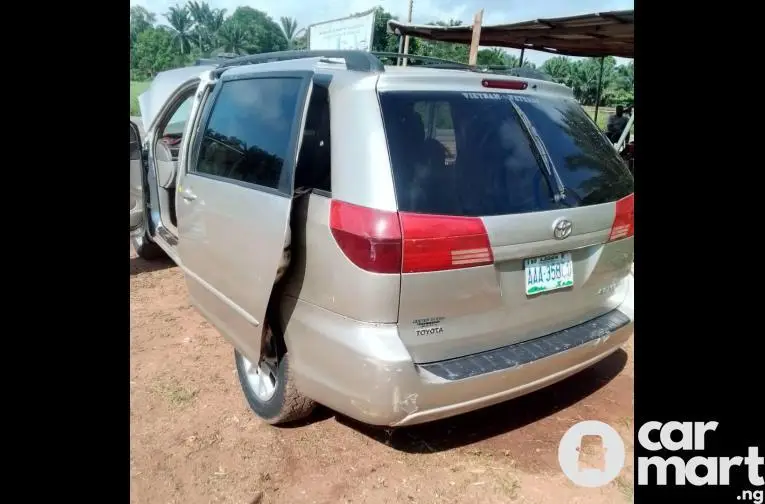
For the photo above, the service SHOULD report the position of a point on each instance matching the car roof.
(417, 75)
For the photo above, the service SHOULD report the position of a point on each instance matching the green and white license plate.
(550, 272)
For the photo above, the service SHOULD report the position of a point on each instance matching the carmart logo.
(698, 470)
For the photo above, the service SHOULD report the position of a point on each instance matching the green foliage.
(154, 51)
(618, 82)
(382, 41)
(136, 88)
(195, 30)
(261, 32)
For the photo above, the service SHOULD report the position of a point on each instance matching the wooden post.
(600, 88)
(477, 20)
(406, 39)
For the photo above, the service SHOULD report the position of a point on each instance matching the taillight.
(370, 238)
(441, 242)
(504, 84)
(624, 219)
(389, 242)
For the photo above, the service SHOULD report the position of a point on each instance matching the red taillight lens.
(504, 84)
(390, 242)
(624, 219)
(370, 238)
(442, 242)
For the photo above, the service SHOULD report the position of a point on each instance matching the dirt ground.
(194, 440)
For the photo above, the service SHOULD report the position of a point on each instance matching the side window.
(177, 122)
(314, 163)
(248, 135)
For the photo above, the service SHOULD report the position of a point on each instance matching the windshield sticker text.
(500, 96)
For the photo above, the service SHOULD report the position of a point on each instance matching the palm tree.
(233, 38)
(140, 20)
(180, 25)
(213, 25)
(200, 13)
(289, 28)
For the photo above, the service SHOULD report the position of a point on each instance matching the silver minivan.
(399, 244)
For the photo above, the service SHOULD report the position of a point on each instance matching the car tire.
(147, 249)
(286, 404)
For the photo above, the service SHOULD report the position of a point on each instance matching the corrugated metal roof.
(589, 35)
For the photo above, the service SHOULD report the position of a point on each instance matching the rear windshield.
(469, 154)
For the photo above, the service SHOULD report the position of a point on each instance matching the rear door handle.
(188, 195)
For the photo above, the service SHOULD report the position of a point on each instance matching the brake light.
(389, 242)
(504, 84)
(370, 238)
(624, 219)
(442, 242)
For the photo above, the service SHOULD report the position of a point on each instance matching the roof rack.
(360, 61)
(363, 61)
(428, 61)
(440, 63)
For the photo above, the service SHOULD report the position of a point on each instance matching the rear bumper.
(366, 373)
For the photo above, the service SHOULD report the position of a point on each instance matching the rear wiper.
(552, 173)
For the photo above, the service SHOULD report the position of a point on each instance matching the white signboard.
(342, 34)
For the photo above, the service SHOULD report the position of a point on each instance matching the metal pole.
(406, 38)
(520, 61)
(600, 82)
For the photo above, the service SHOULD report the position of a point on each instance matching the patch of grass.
(175, 393)
(510, 486)
(136, 88)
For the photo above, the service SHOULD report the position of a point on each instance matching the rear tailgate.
(488, 204)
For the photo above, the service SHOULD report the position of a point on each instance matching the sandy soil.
(194, 440)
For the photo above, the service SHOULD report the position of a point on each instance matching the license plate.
(550, 272)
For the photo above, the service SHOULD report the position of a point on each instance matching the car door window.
(248, 134)
(177, 122)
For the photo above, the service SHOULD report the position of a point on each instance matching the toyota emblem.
(562, 229)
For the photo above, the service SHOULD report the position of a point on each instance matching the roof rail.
(360, 61)
(429, 61)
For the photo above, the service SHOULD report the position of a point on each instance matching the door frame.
(152, 137)
(139, 229)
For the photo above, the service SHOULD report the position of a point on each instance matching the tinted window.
(249, 134)
(469, 154)
(314, 162)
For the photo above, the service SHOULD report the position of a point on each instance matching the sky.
(424, 11)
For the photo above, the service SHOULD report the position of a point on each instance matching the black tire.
(286, 405)
(147, 249)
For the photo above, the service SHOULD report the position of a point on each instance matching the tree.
(152, 52)
(289, 28)
(492, 57)
(559, 68)
(140, 20)
(180, 23)
(200, 13)
(233, 38)
(263, 34)
(584, 77)
(382, 41)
